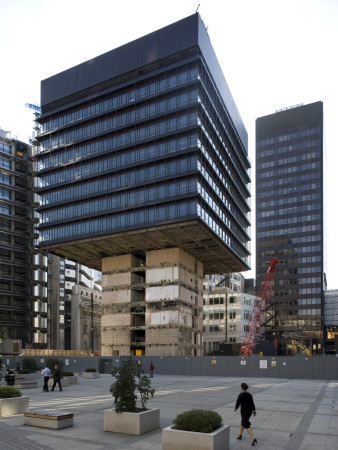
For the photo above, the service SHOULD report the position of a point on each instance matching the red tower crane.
(258, 310)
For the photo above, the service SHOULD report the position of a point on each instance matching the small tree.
(143, 385)
(52, 362)
(123, 390)
(30, 365)
(125, 386)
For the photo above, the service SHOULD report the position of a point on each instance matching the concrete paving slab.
(291, 414)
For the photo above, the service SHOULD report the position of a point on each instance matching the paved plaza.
(291, 414)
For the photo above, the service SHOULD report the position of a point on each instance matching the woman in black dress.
(245, 401)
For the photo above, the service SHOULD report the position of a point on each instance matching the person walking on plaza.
(46, 373)
(57, 377)
(245, 401)
(151, 370)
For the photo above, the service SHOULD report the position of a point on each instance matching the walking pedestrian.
(46, 373)
(151, 370)
(246, 402)
(57, 377)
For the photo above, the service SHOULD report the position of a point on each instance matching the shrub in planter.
(9, 392)
(90, 370)
(198, 420)
(30, 364)
(24, 371)
(67, 374)
(130, 378)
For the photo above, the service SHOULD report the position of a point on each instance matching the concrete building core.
(152, 306)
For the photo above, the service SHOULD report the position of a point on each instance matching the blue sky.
(274, 54)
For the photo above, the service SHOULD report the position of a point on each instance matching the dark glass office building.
(23, 291)
(289, 219)
(143, 148)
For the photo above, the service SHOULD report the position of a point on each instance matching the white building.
(226, 316)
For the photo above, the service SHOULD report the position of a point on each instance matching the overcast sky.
(274, 54)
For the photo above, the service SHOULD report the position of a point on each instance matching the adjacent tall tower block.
(290, 224)
(142, 150)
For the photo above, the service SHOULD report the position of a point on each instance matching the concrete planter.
(176, 439)
(73, 379)
(90, 375)
(27, 376)
(64, 382)
(13, 406)
(132, 423)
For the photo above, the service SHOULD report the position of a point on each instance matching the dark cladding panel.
(160, 44)
(177, 37)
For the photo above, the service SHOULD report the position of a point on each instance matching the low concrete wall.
(313, 367)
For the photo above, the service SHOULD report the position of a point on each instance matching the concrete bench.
(49, 419)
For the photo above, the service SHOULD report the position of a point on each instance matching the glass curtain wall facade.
(157, 141)
(289, 219)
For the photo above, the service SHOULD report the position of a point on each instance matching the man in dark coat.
(10, 377)
(57, 377)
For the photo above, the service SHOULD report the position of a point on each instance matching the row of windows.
(287, 170)
(283, 251)
(210, 180)
(223, 235)
(292, 190)
(5, 148)
(5, 209)
(312, 269)
(296, 323)
(214, 316)
(118, 221)
(291, 262)
(289, 149)
(308, 301)
(118, 201)
(296, 199)
(5, 163)
(219, 231)
(122, 99)
(213, 301)
(214, 206)
(287, 137)
(288, 231)
(4, 178)
(133, 156)
(122, 120)
(236, 181)
(303, 291)
(291, 210)
(309, 259)
(5, 193)
(126, 178)
(84, 189)
(290, 180)
(289, 221)
(219, 192)
(173, 124)
(307, 280)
